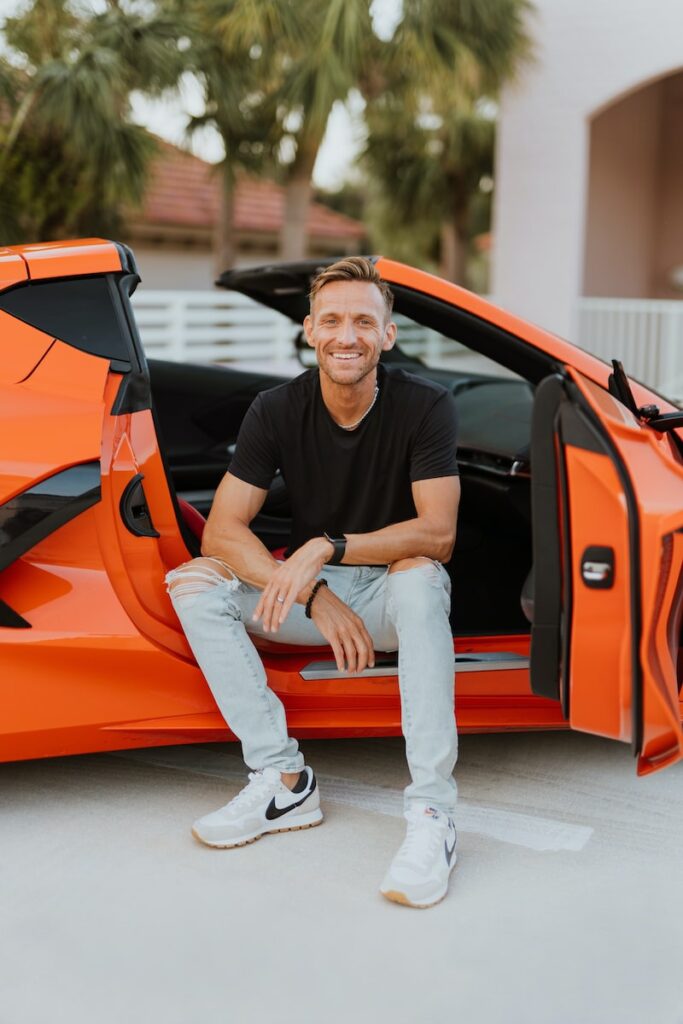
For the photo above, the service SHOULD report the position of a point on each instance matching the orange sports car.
(567, 572)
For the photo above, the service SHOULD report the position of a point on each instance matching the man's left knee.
(418, 588)
(405, 564)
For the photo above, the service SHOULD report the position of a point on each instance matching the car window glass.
(441, 352)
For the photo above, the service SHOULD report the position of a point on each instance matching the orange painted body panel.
(657, 480)
(13, 269)
(52, 419)
(69, 259)
(599, 663)
(105, 665)
(25, 347)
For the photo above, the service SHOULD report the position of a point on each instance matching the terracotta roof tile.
(184, 191)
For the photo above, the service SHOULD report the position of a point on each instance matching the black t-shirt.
(348, 481)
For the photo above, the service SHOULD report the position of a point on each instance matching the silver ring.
(280, 599)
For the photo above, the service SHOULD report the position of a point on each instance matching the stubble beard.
(327, 367)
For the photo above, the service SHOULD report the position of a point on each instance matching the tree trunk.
(225, 245)
(453, 252)
(297, 197)
(455, 234)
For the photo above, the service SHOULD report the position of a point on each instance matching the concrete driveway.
(566, 906)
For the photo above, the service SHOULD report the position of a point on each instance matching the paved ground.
(566, 906)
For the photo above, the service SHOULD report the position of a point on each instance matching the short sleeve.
(433, 453)
(256, 453)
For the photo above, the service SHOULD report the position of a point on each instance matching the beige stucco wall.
(176, 268)
(587, 56)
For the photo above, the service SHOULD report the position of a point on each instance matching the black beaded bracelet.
(316, 588)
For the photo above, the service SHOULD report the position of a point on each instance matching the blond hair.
(353, 268)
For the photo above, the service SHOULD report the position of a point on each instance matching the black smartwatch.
(339, 544)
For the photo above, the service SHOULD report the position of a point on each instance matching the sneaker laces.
(422, 840)
(258, 787)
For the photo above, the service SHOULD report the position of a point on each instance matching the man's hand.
(290, 582)
(344, 631)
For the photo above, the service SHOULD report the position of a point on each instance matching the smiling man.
(368, 454)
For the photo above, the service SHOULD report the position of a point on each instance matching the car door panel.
(603, 649)
(614, 643)
(137, 563)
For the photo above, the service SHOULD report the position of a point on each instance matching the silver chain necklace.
(352, 426)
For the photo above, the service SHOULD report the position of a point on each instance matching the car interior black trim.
(134, 509)
(567, 582)
(133, 394)
(634, 558)
(576, 432)
(33, 514)
(9, 619)
(546, 546)
(192, 542)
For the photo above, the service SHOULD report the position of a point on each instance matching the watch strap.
(339, 545)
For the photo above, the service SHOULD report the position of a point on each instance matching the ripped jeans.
(405, 610)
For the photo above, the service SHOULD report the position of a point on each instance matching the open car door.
(607, 503)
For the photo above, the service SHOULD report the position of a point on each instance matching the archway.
(634, 209)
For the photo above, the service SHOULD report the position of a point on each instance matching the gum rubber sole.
(400, 897)
(396, 896)
(252, 839)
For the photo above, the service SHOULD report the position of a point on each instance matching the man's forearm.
(241, 549)
(410, 539)
(247, 556)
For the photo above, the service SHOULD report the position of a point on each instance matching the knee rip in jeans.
(199, 575)
(427, 567)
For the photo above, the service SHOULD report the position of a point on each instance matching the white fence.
(646, 335)
(226, 327)
(211, 327)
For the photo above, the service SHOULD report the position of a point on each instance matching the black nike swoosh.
(449, 853)
(273, 811)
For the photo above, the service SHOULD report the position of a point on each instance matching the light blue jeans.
(405, 610)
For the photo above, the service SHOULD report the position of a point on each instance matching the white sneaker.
(264, 805)
(419, 873)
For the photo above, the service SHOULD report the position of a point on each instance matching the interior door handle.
(134, 510)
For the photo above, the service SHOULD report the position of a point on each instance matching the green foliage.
(271, 70)
(430, 140)
(70, 158)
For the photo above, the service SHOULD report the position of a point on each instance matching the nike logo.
(273, 811)
(449, 853)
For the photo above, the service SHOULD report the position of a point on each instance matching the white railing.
(225, 327)
(645, 334)
(208, 327)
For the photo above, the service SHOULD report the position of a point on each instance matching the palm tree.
(429, 142)
(272, 71)
(332, 53)
(230, 54)
(443, 52)
(70, 158)
(429, 172)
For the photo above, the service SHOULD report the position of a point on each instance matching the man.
(368, 456)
